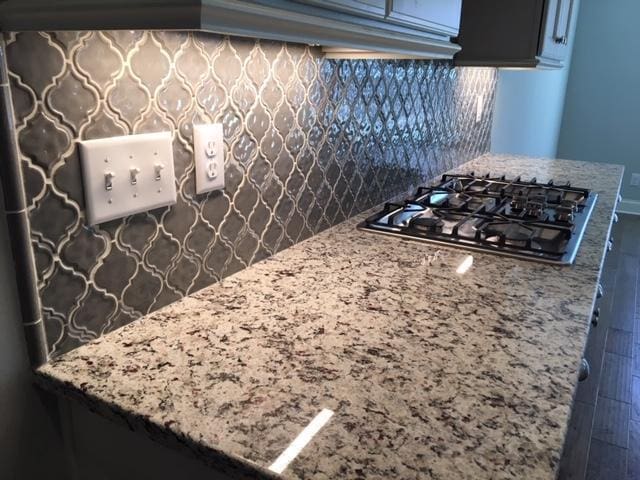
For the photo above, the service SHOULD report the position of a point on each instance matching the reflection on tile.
(309, 142)
(615, 382)
(635, 399)
(633, 465)
(606, 461)
(611, 423)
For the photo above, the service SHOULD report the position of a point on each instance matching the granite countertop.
(431, 374)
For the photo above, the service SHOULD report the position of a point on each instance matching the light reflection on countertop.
(429, 373)
(465, 265)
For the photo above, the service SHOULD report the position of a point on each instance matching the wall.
(30, 438)
(529, 108)
(309, 143)
(601, 114)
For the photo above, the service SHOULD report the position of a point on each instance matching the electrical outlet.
(635, 179)
(208, 151)
(479, 107)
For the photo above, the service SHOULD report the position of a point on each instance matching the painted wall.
(529, 108)
(603, 100)
(30, 439)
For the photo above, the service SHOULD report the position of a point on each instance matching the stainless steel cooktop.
(519, 218)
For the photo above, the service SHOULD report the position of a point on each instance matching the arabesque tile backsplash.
(309, 142)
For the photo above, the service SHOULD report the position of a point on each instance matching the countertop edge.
(228, 464)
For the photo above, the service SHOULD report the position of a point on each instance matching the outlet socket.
(209, 156)
(635, 179)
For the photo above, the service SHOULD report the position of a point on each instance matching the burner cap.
(510, 233)
(518, 202)
(564, 214)
(535, 206)
(427, 224)
(570, 204)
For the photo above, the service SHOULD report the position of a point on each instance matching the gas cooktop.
(525, 219)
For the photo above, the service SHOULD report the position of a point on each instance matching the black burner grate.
(515, 217)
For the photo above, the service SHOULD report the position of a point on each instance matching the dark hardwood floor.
(603, 442)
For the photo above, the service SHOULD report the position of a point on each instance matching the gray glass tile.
(308, 141)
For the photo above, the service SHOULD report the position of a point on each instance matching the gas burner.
(565, 212)
(427, 224)
(518, 202)
(535, 206)
(509, 233)
(521, 218)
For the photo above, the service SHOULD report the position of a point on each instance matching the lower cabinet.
(101, 449)
(575, 455)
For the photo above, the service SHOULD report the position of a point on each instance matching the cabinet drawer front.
(439, 16)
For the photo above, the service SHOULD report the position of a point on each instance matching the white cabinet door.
(369, 8)
(438, 16)
(557, 25)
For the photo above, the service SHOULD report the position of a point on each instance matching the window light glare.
(301, 441)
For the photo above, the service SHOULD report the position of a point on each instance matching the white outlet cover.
(208, 152)
(141, 171)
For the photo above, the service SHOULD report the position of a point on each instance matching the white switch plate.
(635, 179)
(479, 107)
(208, 150)
(141, 171)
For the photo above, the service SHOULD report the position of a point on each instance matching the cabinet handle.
(562, 39)
(595, 318)
(583, 372)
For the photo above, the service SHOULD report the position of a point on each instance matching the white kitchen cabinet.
(557, 25)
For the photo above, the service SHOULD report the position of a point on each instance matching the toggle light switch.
(114, 187)
(133, 174)
(158, 167)
(208, 149)
(108, 180)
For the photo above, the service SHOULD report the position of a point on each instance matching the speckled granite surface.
(431, 374)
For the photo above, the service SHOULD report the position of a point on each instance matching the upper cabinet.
(441, 16)
(368, 8)
(395, 28)
(507, 33)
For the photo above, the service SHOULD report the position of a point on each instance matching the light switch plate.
(208, 151)
(127, 175)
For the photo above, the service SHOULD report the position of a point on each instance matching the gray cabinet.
(396, 28)
(507, 33)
